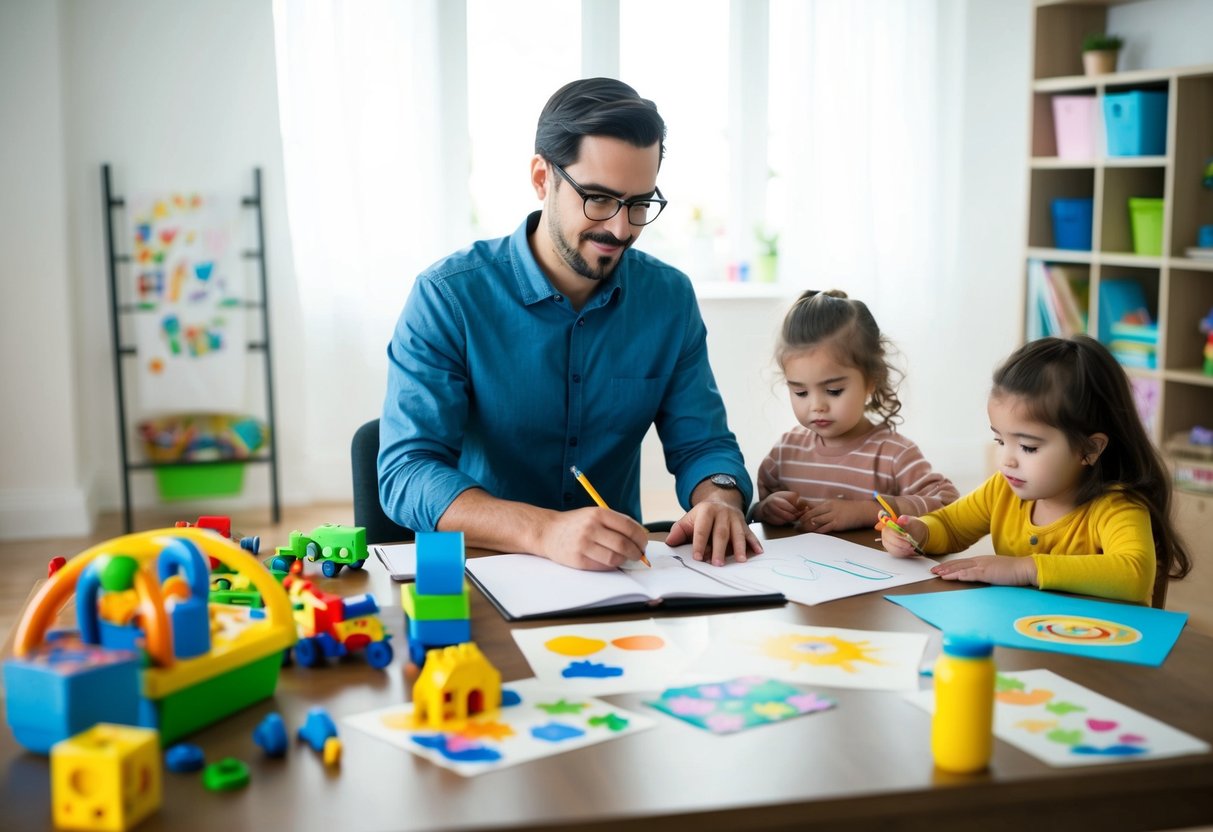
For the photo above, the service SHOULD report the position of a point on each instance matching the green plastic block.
(435, 607)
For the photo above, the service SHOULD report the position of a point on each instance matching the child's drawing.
(813, 655)
(738, 704)
(616, 657)
(535, 722)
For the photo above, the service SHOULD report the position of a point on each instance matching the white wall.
(1163, 33)
(177, 94)
(40, 483)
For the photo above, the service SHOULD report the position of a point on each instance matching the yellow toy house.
(457, 682)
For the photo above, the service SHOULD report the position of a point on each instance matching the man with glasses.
(518, 359)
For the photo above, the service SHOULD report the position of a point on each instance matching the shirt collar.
(534, 284)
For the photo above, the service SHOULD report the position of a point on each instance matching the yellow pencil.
(593, 492)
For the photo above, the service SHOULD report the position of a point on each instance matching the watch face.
(724, 481)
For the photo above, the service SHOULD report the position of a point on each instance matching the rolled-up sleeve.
(424, 411)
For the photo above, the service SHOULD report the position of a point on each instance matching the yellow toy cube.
(105, 778)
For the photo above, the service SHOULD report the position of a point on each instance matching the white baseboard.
(30, 513)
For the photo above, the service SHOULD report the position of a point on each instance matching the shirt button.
(573, 441)
(576, 379)
(557, 298)
(1033, 540)
(581, 322)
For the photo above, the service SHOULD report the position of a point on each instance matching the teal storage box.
(1072, 223)
(1136, 123)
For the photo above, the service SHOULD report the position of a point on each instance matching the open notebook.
(526, 586)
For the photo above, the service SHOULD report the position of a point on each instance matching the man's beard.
(579, 264)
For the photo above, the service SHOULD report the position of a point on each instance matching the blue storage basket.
(1072, 223)
(1136, 123)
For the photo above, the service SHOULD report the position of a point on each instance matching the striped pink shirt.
(881, 460)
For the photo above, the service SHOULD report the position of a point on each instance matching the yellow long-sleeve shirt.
(1103, 548)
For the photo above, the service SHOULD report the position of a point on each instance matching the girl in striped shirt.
(822, 472)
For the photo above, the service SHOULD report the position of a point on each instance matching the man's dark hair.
(596, 107)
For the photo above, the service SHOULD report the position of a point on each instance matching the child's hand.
(781, 508)
(896, 544)
(1000, 570)
(839, 515)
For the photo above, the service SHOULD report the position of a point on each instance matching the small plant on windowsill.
(1099, 53)
(768, 254)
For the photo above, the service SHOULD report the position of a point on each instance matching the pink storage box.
(1076, 123)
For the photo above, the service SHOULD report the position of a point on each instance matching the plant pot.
(1100, 61)
(766, 268)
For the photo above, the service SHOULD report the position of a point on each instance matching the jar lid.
(968, 646)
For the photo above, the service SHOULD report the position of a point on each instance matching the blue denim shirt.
(495, 382)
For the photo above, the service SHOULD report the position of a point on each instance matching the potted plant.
(768, 254)
(1099, 53)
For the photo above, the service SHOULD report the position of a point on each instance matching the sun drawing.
(818, 651)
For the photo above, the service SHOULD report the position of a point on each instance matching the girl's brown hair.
(847, 326)
(1077, 386)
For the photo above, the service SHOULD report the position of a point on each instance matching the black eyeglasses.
(601, 207)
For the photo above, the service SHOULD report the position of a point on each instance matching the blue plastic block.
(184, 758)
(270, 735)
(317, 728)
(440, 560)
(1136, 122)
(440, 633)
(65, 687)
(357, 606)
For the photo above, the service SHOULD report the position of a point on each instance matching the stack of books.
(1125, 323)
(1057, 299)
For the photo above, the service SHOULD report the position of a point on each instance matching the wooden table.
(863, 765)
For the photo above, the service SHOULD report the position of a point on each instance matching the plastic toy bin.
(1145, 219)
(189, 482)
(1072, 222)
(1136, 122)
(1075, 119)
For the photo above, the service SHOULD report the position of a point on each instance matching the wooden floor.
(25, 561)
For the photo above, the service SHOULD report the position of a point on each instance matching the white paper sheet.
(400, 560)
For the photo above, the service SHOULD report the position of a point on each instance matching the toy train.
(335, 546)
(330, 626)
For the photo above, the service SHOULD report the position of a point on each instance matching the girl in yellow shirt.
(1081, 501)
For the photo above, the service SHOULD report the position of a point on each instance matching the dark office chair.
(368, 512)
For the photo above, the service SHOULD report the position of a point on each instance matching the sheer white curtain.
(359, 108)
(866, 118)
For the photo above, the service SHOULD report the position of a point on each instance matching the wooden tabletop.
(866, 764)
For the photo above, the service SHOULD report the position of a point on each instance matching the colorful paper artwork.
(1033, 619)
(188, 286)
(614, 657)
(537, 722)
(737, 704)
(811, 655)
(1064, 724)
(813, 568)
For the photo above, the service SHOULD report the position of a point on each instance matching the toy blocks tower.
(437, 608)
(106, 778)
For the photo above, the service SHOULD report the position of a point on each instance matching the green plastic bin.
(190, 482)
(1145, 217)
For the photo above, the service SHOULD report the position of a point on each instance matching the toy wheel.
(357, 564)
(222, 583)
(330, 568)
(308, 652)
(379, 654)
(281, 564)
(251, 544)
(313, 551)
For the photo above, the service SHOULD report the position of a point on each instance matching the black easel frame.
(269, 455)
